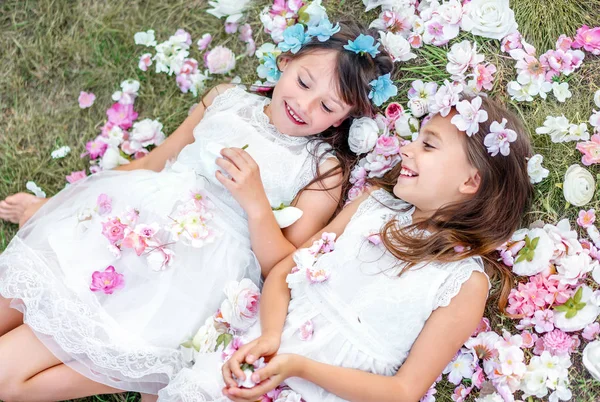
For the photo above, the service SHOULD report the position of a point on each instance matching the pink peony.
(220, 60)
(557, 342)
(86, 99)
(76, 176)
(589, 39)
(107, 281)
(590, 150)
(586, 218)
(387, 145)
(393, 111)
(113, 230)
(104, 204)
(121, 115)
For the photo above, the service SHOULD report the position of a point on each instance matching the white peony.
(579, 186)
(561, 91)
(363, 135)
(461, 57)
(489, 18)
(585, 316)
(397, 46)
(591, 359)
(232, 9)
(205, 339)
(146, 132)
(570, 269)
(419, 107)
(535, 170)
(450, 12)
(287, 216)
(406, 125)
(112, 158)
(536, 255)
(240, 308)
(145, 38)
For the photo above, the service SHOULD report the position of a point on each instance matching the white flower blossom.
(561, 91)
(60, 152)
(145, 38)
(579, 186)
(535, 170)
(35, 189)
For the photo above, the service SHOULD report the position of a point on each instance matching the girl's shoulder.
(226, 96)
(457, 273)
(379, 199)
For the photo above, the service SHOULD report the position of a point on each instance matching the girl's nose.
(406, 151)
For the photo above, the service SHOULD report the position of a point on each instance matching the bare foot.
(14, 206)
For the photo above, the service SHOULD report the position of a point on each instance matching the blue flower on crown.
(383, 88)
(363, 44)
(293, 39)
(323, 30)
(268, 68)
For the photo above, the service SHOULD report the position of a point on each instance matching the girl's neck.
(420, 215)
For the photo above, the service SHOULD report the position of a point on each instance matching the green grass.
(52, 49)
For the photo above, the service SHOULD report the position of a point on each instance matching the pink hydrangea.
(114, 230)
(526, 299)
(121, 115)
(590, 150)
(557, 342)
(107, 281)
(589, 39)
(76, 176)
(86, 99)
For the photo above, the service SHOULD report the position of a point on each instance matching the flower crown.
(294, 37)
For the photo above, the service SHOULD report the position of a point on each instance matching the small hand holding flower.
(265, 346)
(244, 182)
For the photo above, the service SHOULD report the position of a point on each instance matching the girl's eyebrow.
(335, 100)
(433, 133)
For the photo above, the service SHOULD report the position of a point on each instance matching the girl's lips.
(287, 112)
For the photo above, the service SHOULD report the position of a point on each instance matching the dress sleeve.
(460, 272)
(230, 97)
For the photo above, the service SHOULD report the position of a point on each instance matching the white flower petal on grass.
(145, 38)
(561, 91)
(535, 170)
(579, 186)
(556, 127)
(35, 189)
(60, 152)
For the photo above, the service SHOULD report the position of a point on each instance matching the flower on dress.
(535, 170)
(306, 330)
(114, 230)
(590, 150)
(294, 38)
(160, 258)
(317, 275)
(362, 45)
(76, 176)
(103, 204)
(469, 116)
(323, 30)
(241, 306)
(107, 281)
(586, 218)
(86, 99)
(499, 139)
(382, 89)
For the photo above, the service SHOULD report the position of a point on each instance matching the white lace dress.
(126, 333)
(364, 316)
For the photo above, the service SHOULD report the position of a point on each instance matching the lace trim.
(186, 387)
(228, 98)
(459, 274)
(52, 310)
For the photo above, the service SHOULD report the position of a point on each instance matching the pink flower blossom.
(445, 98)
(86, 99)
(557, 342)
(114, 230)
(104, 204)
(374, 238)
(589, 39)
(220, 60)
(416, 41)
(187, 38)
(306, 330)
(317, 275)
(160, 258)
(511, 42)
(478, 377)
(591, 331)
(529, 339)
(355, 192)
(121, 115)
(461, 392)
(543, 320)
(484, 326)
(135, 241)
(107, 281)
(526, 299)
(232, 347)
(387, 145)
(469, 116)
(528, 66)
(586, 218)
(145, 61)
(499, 138)
(564, 43)
(204, 41)
(76, 176)
(96, 148)
(328, 242)
(393, 111)
(245, 33)
(231, 27)
(484, 76)
(590, 150)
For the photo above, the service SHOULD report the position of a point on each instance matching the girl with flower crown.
(111, 275)
(379, 313)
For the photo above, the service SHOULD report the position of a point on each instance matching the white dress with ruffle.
(129, 339)
(365, 316)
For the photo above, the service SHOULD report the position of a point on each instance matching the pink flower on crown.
(121, 115)
(387, 145)
(586, 218)
(470, 115)
(589, 39)
(393, 111)
(590, 150)
(114, 230)
(107, 281)
(104, 204)
(499, 138)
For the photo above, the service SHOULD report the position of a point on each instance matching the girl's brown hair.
(481, 223)
(354, 73)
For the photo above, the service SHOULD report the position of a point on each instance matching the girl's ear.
(282, 62)
(339, 122)
(472, 184)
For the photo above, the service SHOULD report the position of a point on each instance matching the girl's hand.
(268, 378)
(245, 183)
(265, 346)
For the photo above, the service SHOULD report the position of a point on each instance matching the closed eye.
(326, 108)
(302, 84)
(428, 145)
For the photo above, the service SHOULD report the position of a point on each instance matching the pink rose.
(589, 39)
(86, 99)
(104, 204)
(113, 230)
(76, 176)
(220, 60)
(393, 111)
(240, 308)
(121, 115)
(387, 145)
(107, 281)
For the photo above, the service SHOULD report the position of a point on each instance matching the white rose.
(451, 12)
(597, 98)
(579, 186)
(145, 38)
(461, 57)
(315, 12)
(419, 107)
(232, 9)
(406, 125)
(539, 258)
(585, 316)
(489, 18)
(591, 359)
(535, 170)
(363, 135)
(397, 46)
(147, 132)
(240, 308)
(205, 339)
(287, 216)
(112, 158)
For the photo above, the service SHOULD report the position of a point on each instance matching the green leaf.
(522, 257)
(571, 313)
(247, 366)
(223, 339)
(577, 296)
(562, 308)
(187, 344)
(535, 242)
(580, 306)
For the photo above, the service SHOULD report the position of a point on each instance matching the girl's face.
(305, 100)
(435, 168)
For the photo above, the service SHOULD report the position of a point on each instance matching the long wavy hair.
(480, 224)
(354, 72)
